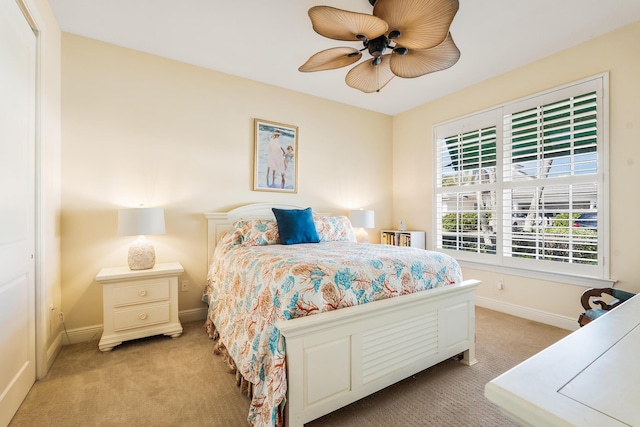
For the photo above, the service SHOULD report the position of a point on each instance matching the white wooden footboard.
(336, 358)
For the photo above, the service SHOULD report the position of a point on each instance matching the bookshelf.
(414, 239)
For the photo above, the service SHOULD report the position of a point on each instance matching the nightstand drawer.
(141, 292)
(141, 316)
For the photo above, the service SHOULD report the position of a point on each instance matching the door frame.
(30, 11)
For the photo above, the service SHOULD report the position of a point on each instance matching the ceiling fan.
(415, 31)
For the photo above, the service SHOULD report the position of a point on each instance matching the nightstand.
(139, 303)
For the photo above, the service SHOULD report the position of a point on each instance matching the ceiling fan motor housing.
(377, 46)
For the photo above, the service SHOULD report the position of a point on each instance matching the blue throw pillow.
(296, 226)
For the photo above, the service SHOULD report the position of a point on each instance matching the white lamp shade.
(140, 221)
(362, 218)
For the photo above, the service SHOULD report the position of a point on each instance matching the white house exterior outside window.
(524, 185)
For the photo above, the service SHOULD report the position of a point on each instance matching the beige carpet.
(161, 381)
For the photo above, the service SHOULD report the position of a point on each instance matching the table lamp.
(362, 219)
(140, 222)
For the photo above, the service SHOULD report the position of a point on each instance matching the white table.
(589, 378)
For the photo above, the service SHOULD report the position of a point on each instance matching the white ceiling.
(268, 40)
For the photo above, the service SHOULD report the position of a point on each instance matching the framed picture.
(275, 161)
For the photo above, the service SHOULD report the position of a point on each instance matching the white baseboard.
(90, 333)
(80, 335)
(53, 351)
(192, 315)
(556, 320)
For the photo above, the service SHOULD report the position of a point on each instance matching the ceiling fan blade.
(331, 59)
(368, 77)
(340, 24)
(418, 62)
(422, 23)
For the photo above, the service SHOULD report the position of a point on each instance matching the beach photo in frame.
(275, 161)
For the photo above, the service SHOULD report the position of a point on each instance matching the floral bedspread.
(249, 288)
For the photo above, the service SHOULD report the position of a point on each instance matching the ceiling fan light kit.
(415, 31)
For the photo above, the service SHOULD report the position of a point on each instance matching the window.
(522, 185)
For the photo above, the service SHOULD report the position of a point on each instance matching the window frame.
(597, 275)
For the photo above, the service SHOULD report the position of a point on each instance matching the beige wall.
(138, 128)
(618, 53)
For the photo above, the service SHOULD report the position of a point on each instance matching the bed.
(309, 335)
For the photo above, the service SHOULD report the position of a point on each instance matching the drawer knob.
(142, 292)
(142, 316)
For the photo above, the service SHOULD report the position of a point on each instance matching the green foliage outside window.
(582, 249)
(469, 222)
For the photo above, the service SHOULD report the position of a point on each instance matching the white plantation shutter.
(515, 192)
(564, 131)
(466, 194)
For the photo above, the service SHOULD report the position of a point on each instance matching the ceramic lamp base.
(362, 236)
(142, 256)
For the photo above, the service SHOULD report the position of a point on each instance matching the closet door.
(17, 200)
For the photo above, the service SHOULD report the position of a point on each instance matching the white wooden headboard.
(219, 222)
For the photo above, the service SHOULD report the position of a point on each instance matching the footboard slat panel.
(385, 350)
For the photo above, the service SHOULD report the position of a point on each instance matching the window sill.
(588, 282)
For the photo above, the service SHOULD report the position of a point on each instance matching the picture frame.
(275, 160)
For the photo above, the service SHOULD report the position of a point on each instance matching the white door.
(17, 217)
